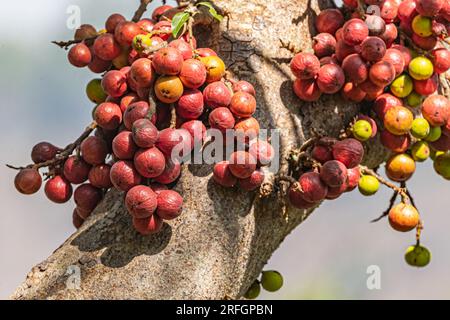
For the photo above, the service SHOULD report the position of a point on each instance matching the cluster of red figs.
(157, 93)
(391, 55)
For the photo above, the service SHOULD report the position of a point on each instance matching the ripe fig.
(429, 8)
(353, 178)
(354, 32)
(99, 176)
(243, 105)
(221, 119)
(353, 93)
(382, 73)
(123, 146)
(149, 225)
(84, 32)
(114, 83)
(197, 130)
(215, 68)
(193, 73)
(94, 150)
(124, 176)
(28, 181)
(262, 151)
(330, 78)
(395, 143)
(333, 173)
(253, 182)
(296, 198)
(190, 105)
(355, 69)
(436, 110)
(79, 55)
(76, 170)
(389, 35)
(242, 164)
(403, 217)
(171, 172)
(376, 25)
(150, 163)
(141, 202)
(87, 197)
(170, 205)
(141, 73)
(441, 60)
(329, 20)
(398, 120)
(108, 115)
(428, 86)
(106, 47)
(112, 22)
(307, 90)
(400, 167)
(58, 189)
(244, 86)
(44, 151)
(135, 111)
(305, 65)
(145, 134)
(168, 89)
(395, 57)
(373, 49)
(167, 61)
(312, 189)
(348, 151)
(170, 138)
(223, 176)
(183, 47)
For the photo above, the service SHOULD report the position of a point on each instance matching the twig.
(141, 10)
(386, 212)
(173, 117)
(66, 44)
(190, 32)
(63, 155)
(401, 191)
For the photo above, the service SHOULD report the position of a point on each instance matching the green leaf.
(212, 10)
(178, 21)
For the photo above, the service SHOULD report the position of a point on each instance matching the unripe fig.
(395, 143)
(150, 163)
(58, 189)
(168, 61)
(407, 10)
(76, 170)
(141, 73)
(94, 150)
(108, 115)
(376, 25)
(141, 202)
(135, 111)
(329, 20)
(87, 197)
(223, 176)
(307, 90)
(44, 151)
(441, 60)
(84, 32)
(217, 95)
(343, 50)
(417, 256)
(243, 105)
(170, 205)
(254, 291)
(330, 78)
(77, 221)
(373, 49)
(171, 172)
(428, 86)
(312, 189)
(429, 8)
(348, 151)
(193, 73)
(420, 128)
(398, 120)
(395, 57)
(28, 181)
(262, 151)
(400, 167)
(434, 135)
(170, 138)
(253, 182)
(389, 35)
(436, 110)
(215, 68)
(305, 65)
(414, 99)
(168, 89)
(190, 105)
(242, 164)
(197, 130)
(368, 185)
(149, 225)
(271, 280)
(99, 176)
(124, 176)
(353, 93)
(106, 47)
(145, 134)
(79, 55)
(333, 173)
(95, 92)
(403, 217)
(221, 119)
(382, 73)
(355, 69)
(402, 86)
(442, 165)
(244, 86)
(114, 83)
(383, 103)
(421, 68)
(353, 178)
(362, 130)
(296, 199)
(372, 123)
(420, 151)
(425, 43)
(247, 127)
(354, 32)
(421, 26)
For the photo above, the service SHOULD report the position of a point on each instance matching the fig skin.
(141, 202)
(333, 173)
(312, 188)
(170, 205)
(124, 175)
(348, 151)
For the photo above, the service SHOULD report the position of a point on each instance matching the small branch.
(66, 44)
(173, 117)
(141, 10)
(386, 212)
(190, 32)
(63, 155)
(401, 191)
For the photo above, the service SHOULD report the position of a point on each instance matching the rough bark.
(224, 237)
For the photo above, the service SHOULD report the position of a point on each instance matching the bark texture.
(224, 237)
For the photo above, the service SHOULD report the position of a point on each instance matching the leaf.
(178, 21)
(212, 10)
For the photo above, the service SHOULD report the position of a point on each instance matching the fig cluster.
(156, 99)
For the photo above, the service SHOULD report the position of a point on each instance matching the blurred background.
(326, 257)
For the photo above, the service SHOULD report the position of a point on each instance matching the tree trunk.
(224, 237)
